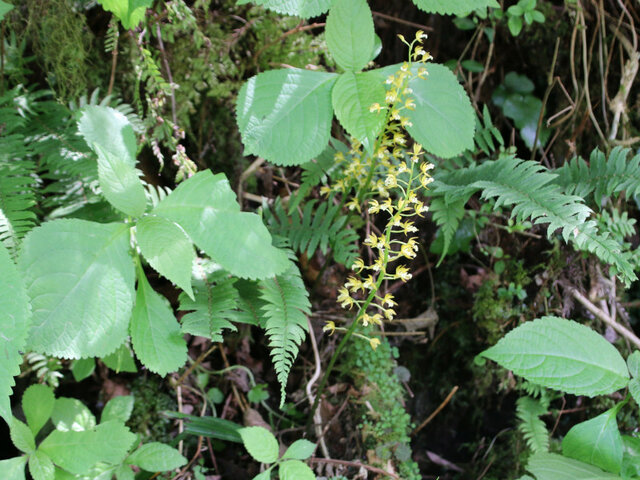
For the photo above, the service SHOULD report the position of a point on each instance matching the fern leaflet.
(535, 432)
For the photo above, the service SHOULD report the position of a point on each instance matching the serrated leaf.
(14, 325)
(155, 332)
(633, 363)
(167, 249)
(4, 9)
(285, 115)
(22, 437)
(78, 452)
(561, 354)
(41, 467)
(70, 414)
(551, 466)
(634, 389)
(118, 408)
(350, 34)
(454, 7)
(37, 404)
(206, 208)
(295, 470)
(13, 468)
(300, 450)
(352, 97)
(129, 12)
(124, 472)
(156, 457)
(260, 443)
(79, 276)
(83, 368)
(109, 133)
(596, 441)
(121, 360)
(298, 8)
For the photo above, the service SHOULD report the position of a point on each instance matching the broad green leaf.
(211, 427)
(266, 475)
(80, 278)
(4, 9)
(551, 466)
(78, 452)
(121, 360)
(298, 8)
(300, 450)
(260, 443)
(631, 457)
(129, 12)
(596, 441)
(37, 404)
(167, 249)
(633, 364)
(14, 325)
(295, 470)
(634, 389)
(13, 468)
(83, 368)
(353, 95)
(350, 34)
(454, 7)
(561, 354)
(155, 332)
(70, 414)
(41, 467)
(285, 115)
(109, 133)
(124, 472)
(156, 457)
(22, 437)
(118, 408)
(206, 208)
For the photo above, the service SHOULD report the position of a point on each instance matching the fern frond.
(285, 320)
(620, 226)
(601, 177)
(528, 411)
(447, 216)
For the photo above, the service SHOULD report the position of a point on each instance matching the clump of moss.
(150, 402)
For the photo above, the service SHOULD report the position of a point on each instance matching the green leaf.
(634, 389)
(118, 408)
(285, 115)
(211, 427)
(266, 475)
(515, 25)
(80, 278)
(300, 450)
(631, 458)
(13, 468)
(454, 7)
(121, 360)
(633, 364)
(14, 325)
(596, 441)
(124, 472)
(155, 332)
(157, 457)
(78, 452)
(295, 470)
(70, 414)
(41, 467)
(109, 133)
(350, 34)
(551, 466)
(260, 443)
(298, 8)
(167, 249)
(4, 9)
(561, 354)
(129, 12)
(82, 368)
(206, 208)
(37, 404)
(22, 437)
(353, 95)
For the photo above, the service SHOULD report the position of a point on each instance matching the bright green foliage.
(129, 12)
(602, 176)
(13, 468)
(353, 95)
(14, 325)
(109, 133)
(561, 354)
(295, 470)
(523, 10)
(37, 405)
(206, 208)
(4, 9)
(300, 450)
(41, 467)
(550, 466)
(167, 249)
(155, 333)
(350, 34)
(22, 437)
(447, 216)
(596, 441)
(156, 457)
(298, 8)
(285, 115)
(121, 360)
(70, 414)
(285, 319)
(83, 368)
(79, 276)
(454, 7)
(535, 432)
(118, 408)
(260, 443)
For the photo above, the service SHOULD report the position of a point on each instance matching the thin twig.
(391, 18)
(317, 416)
(114, 59)
(436, 411)
(174, 114)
